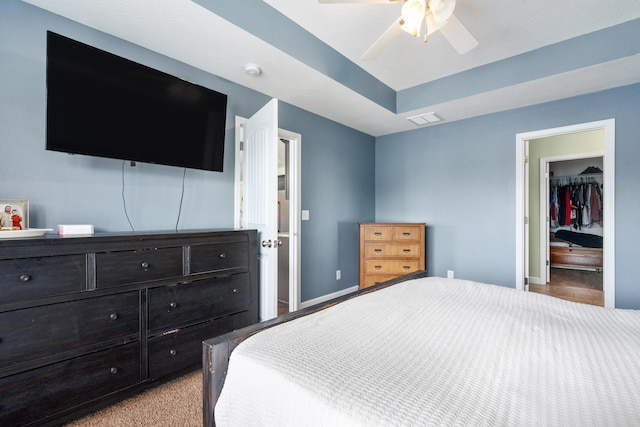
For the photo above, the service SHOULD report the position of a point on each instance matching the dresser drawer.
(182, 348)
(382, 250)
(50, 390)
(378, 232)
(371, 280)
(219, 256)
(407, 233)
(181, 304)
(27, 278)
(391, 266)
(33, 333)
(124, 267)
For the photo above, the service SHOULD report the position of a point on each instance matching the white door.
(544, 227)
(526, 217)
(260, 199)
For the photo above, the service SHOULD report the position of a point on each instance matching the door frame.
(295, 144)
(608, 203)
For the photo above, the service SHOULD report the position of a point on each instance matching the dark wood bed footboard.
(216, 351)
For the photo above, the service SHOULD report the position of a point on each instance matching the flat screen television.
(100, 104)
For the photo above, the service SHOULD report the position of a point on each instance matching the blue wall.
(337, 162)
(459, 178)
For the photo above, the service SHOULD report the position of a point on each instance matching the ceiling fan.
(434, 15)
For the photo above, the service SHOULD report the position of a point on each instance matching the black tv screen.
(104, 105)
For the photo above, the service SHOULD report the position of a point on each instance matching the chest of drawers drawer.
(141, 265)
(39, 277)
(384, 250)
(182, 304)
(218, 256)
(397, 267)
(64, 385)
(32, 333)
(182, 347)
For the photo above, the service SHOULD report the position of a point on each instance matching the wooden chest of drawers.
(389, 250)
(88, 321)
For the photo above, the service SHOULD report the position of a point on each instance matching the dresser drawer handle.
(173, 352)
(113, 316)
(173, 304)
(113, 370)
(406, 233)
(377, 233)
(235, 290)
(377, 250)
(144, 265)
(377, 267)
(406, 251)
(25, 277)
(222, 255)
(406, 267)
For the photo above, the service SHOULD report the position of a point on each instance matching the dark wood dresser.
(87, 321)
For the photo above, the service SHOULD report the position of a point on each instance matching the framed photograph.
(14, 214)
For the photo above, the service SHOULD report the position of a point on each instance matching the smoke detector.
(252, 69)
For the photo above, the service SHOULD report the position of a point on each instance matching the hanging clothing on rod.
(575, 201)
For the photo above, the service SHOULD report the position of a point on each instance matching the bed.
(581, 251)
(430, 351)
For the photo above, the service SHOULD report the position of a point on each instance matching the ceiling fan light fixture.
(441, 10)
(413, 12)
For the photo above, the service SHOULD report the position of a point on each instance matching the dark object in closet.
(591, 170)
(582, 239)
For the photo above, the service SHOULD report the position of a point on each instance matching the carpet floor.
(177, 403)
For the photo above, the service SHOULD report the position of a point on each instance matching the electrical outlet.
(449, 274)
(338, 274)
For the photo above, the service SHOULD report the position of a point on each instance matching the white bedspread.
(439, 351)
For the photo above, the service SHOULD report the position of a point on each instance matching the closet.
(575, 226)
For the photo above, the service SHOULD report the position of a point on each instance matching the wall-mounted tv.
(100, 104)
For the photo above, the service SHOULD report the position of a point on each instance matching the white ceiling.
(192, 34)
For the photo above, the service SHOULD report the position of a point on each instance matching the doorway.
(288, 173)
(569, 260)
(522, 201)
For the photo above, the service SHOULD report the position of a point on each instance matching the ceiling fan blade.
(383, 41)
(459, 37)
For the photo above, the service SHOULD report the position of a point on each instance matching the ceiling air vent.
(425, 119)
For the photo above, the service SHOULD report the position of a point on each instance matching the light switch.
(305, 215)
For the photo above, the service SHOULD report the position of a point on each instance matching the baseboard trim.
(324, 298)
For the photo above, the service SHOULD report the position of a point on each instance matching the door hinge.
(526, 159)
(241, 145)
(526, 220)
(547, 262)
(526, 281)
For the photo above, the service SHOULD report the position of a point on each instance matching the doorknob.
(277, 242)
(266, 243)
